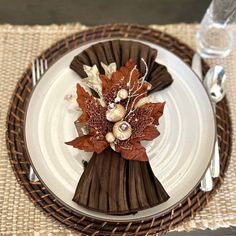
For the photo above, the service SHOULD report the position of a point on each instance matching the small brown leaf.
(156, 108)
(116, 78)
(126, 72)
(100, 145)
(137, 153)
(149, 133)
(82, 97)
(88, 143)
(84, 143)
(157, 111)
(105, 83)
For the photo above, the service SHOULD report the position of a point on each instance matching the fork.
(39, 66)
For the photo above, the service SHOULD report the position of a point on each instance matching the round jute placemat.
(51, 205)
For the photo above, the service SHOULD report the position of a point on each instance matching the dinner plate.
(179, 156)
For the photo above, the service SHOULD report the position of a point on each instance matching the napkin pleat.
(149, 190)
(83, 189)
(122, 183)
(132, 195)
(120, 51)
(94, 193)
(140, 188)
(114, 185)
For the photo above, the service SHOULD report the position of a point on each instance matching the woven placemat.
(14, 203)
(42, 197)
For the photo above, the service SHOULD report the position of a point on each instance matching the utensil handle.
(215, 163)
(32, 176)
(207, 183)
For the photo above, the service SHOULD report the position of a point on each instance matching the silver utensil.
(197, 65)
(215, 81)
(206, 182)
(39, 66)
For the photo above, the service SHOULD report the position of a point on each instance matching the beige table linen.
(19, 45)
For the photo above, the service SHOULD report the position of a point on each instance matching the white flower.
(109, 69)
(91, 71)
(93, 80)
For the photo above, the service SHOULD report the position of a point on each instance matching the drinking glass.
(214, 37)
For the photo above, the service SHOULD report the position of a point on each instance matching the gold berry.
(122, 130)
(110, 137)
(115, 112)
(122, 94)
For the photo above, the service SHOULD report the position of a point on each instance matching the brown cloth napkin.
(109, 183)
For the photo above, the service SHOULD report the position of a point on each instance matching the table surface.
(91, 12)
(100, 12)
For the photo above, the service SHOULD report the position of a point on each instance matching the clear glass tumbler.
(214, 38)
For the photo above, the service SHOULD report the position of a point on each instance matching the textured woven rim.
(52, 206)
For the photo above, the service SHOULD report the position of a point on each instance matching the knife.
(206, 182)
(197, 65)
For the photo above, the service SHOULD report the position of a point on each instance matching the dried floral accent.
(123, 116)
(93, 81)
(110, 69)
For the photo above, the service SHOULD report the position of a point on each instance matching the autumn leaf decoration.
(122, 115)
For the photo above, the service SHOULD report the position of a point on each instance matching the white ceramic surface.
(179, 156)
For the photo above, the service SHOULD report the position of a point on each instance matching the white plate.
(179, 156)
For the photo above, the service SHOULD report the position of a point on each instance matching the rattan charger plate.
(52, 206)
